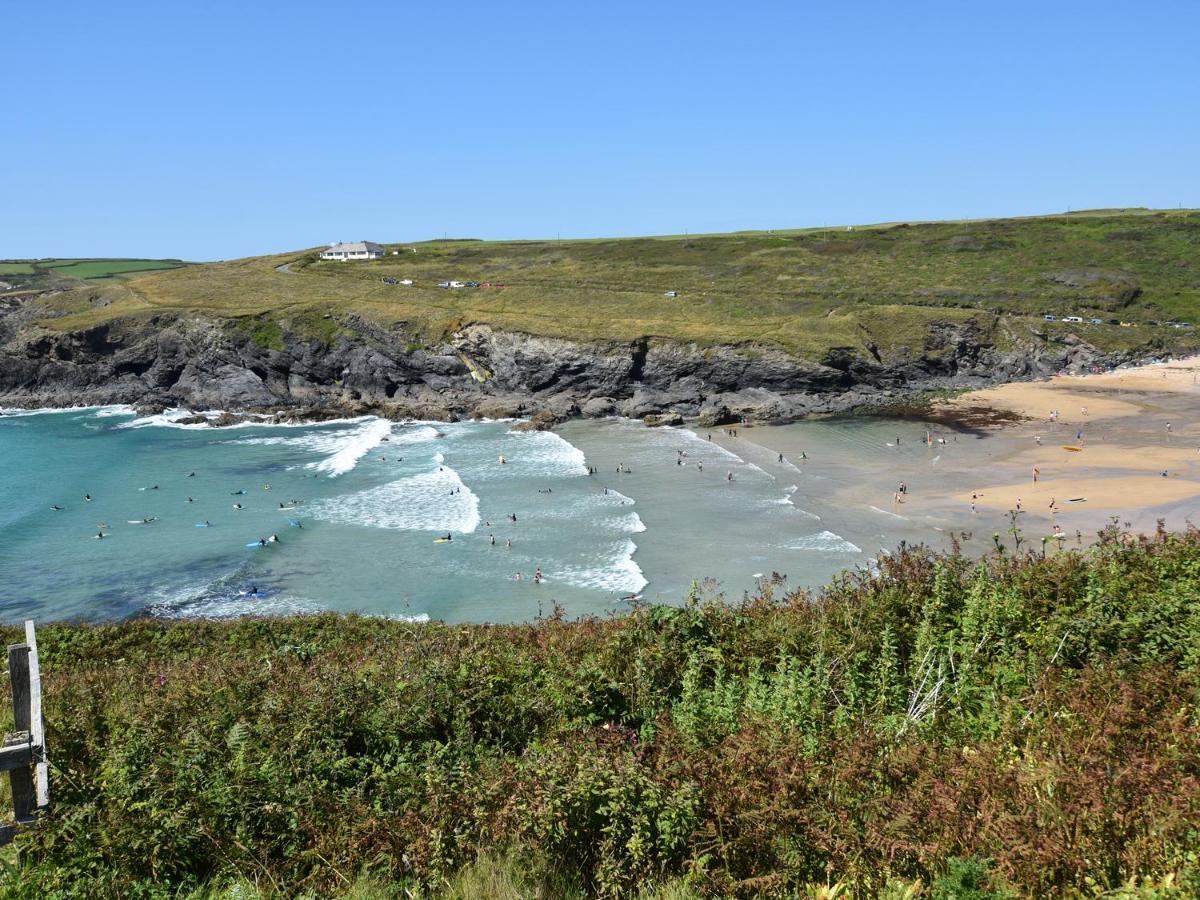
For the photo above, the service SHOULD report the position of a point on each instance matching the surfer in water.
(99, 535)
(55, 507)
(274, 539)
(448, 537)
(237, 506)
(88, 497)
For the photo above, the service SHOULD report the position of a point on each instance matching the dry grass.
(805, 291)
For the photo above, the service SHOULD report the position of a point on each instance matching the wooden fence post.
(37, 731)
(20, 778)
(23, 754)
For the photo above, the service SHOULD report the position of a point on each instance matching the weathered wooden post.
(23, 755)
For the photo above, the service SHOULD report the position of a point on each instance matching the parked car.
(1050, 318)
(1072, 318)
(671, 294)
(471, 284)
(443, 284)
(1096, 321)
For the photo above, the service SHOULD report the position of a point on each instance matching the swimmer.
(190, 475)
(99, 535)
(190, 500)
(492, 539)
(508, 544)
(87, 498)
(237, 506)
(236, 493)
(55, 507)
(262, 542)
(274, 539)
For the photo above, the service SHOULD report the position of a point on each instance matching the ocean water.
(358, 506)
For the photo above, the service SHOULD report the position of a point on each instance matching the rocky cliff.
(171, 360)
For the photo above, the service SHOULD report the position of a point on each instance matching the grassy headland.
(1024, 724)
(880, 289)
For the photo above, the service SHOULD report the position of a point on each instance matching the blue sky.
(219, 130)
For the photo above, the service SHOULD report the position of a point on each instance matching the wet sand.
(1118, 421)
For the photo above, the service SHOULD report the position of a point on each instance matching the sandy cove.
(1129, 430)
(985, 446)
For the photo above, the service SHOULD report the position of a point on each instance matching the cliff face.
(211, 364)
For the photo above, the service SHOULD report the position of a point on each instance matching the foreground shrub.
(1016, 725)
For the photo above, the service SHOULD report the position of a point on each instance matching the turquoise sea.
(357, 506)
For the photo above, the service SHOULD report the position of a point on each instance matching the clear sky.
(216, 130)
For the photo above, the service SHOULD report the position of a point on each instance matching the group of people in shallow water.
(148, 520)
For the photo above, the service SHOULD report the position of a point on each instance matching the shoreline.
(1124, 443)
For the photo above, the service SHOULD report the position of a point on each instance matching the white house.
(354, 250)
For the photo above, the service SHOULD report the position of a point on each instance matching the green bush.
(884, 734)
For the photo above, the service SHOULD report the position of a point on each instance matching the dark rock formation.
(166, 361)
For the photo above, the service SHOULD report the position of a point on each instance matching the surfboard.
(441, 541)
(282, 508)
(1072, 449)
(203, 525)
(255, 544)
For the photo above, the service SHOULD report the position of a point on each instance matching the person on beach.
(972, 505)
(729, 477)
(1037, 439)
(1018, 504)
(896, 498)
(780, 457)
(1036, 473)
(1168, 428)
(700, 465)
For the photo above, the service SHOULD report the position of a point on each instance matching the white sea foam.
(13, 412)
(620, 573)
(353, 446)
(545, 454)
(886, 513)
(430, 501)
(825, 542)
(633, 524)
(109, 412)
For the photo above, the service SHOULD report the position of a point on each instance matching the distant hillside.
(24, 275)
(873, 288)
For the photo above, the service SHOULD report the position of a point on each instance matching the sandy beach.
(1123, 444)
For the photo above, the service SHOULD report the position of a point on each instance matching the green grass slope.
(1023, 724)
(805, 291)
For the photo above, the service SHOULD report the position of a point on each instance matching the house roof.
(354, 246)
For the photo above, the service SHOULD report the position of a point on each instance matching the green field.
(68, 274)
(107, 268)
(880, 287)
